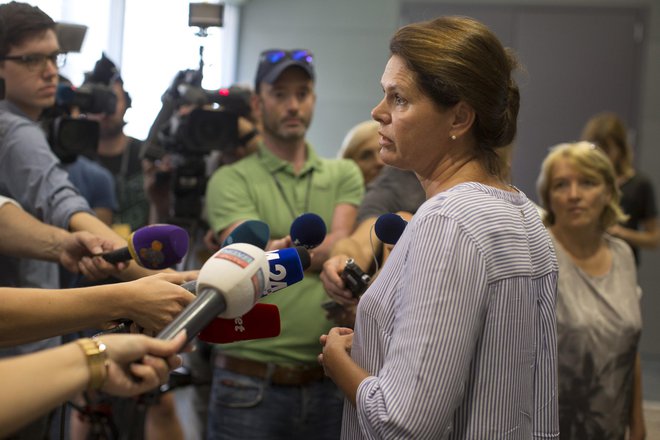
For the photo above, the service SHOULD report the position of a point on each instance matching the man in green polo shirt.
(274, 388)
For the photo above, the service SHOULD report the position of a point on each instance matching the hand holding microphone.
(154, 247)
(232, 281)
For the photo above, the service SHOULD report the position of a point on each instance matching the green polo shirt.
(264, 187)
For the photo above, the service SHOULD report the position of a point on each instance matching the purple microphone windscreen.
(389, 228)
(253, 232)
(308, 230)
(159, 246)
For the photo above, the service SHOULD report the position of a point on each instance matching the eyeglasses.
(275, 56)
(37, 61)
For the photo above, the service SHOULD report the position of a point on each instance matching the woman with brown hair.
(598, 310)
(456, 336)
(641, 230)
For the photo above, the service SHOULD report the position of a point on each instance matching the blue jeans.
(245, 407)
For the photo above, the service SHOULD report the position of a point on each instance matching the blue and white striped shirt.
(458, 330)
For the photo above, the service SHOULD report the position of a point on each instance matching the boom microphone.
(308, 230)
(154, 247)
(389, 228)
(254, 232)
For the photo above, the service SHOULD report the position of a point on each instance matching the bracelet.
(97, 361)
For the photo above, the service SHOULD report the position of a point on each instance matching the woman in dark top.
(641, 230)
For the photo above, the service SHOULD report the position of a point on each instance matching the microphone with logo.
(232, 281)
(154, 247)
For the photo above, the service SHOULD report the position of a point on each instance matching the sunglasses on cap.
(274, 56)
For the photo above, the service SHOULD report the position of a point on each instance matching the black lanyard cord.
(280, 188)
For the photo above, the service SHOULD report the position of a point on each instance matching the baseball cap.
(273, 62)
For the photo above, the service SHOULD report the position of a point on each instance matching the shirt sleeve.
(351, 183)
(33, 176)
(439, 318)
(6, 200)
(104, 192)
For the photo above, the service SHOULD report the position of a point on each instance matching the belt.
(281, 375)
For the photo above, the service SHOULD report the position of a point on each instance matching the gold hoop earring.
(453, 137)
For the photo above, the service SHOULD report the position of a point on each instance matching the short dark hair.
(459, 58)
(20, 21)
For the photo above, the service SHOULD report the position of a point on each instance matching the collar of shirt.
(274, 164)
(12, 108)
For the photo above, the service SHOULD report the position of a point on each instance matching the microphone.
(230, 283)
(286, 267)
(254, 232)
(389, 228)
(262, 321)
(154, 247)
(308, 230)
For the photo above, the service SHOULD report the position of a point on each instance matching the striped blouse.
(458, 331)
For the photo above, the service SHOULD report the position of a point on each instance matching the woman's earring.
(453, 137)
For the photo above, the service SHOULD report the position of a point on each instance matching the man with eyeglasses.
(29, 172)
(275, 388)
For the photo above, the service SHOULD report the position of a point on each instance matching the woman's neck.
(586, 247)
(453, 173)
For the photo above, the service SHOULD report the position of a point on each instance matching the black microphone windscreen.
(305, 258)
(389, 228)
(308, 230)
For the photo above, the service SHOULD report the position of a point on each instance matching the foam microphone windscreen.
(262, 321)
(154, 247)
(308, 230)
(254, 232)
(389, 227)
(240, 272)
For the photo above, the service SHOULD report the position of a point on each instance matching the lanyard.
(280, 188)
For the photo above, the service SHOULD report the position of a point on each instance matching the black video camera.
(67, 136)
(89, 98)
(211, 125)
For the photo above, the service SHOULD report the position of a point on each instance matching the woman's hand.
(154, 301)
(336, 343)
(138, 363)
(80, 254)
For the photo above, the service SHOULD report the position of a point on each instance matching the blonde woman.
(598, 300)
(361, 146)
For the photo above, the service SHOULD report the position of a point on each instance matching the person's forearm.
(643, 239)
(60, 311)
(35, 383)
(358, 245)
(345, 373)
(83, 221)
(323, 251)
(23, 236)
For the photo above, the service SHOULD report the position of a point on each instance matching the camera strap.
(280, 188)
